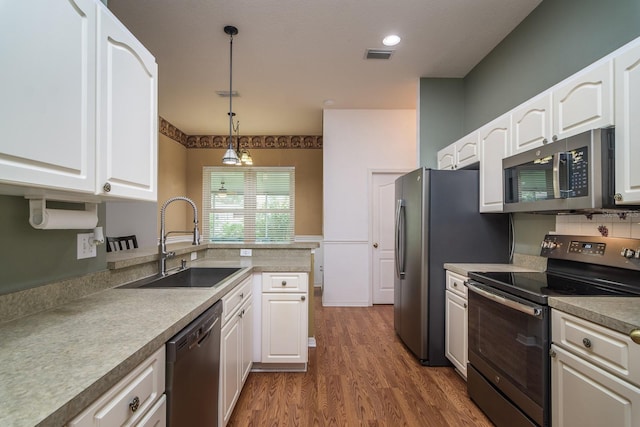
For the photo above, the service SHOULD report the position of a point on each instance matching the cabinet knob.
(284, 283)
(464, 305)
(617, 197)
(375, 245)
(544, 141)
(106, 187)
(586, 342)
(552, 353)
(554, 138)
(635, 336)
(242, 295)
(455, 285)
(134, 404)
(303, 298)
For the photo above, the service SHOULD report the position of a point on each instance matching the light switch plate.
(245, 252)
(86, 248)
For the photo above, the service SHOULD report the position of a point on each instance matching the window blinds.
(248, 204)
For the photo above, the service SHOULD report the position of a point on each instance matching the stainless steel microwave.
(571, 174)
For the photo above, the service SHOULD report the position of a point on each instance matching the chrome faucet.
(163, 253)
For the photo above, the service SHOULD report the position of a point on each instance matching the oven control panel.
(611, 251)
(587, 248)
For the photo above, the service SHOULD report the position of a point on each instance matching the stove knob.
(628, 253)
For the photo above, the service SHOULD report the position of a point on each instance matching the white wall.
(354, 143)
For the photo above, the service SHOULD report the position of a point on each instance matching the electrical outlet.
(86, 248)
(194, 256)
(245, 252)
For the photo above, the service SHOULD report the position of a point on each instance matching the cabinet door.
(47, 82)
(627, 69)
(494, 146)
(466, 150)
(127, 113)
(583, 395)
(447, 157)
(584, 101)
(230, 367)
(247, 340)
(531, 124)
(157, 416)
(456, 331)
(284, 328)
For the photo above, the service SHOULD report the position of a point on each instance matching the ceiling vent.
(379, 53)
(225, 93)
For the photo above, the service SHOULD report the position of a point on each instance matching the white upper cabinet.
(627, 77)
(531, 124)
(494, 146)
(460, 154)
(78, 110)
(584, 101)
(47, 82)
(447, 157)
(127, 113)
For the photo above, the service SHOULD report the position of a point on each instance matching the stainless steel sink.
(204, 277)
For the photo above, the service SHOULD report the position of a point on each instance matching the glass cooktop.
(538, 286)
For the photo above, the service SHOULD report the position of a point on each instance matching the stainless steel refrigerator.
(437, 221)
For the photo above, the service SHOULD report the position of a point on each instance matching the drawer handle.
(455, 285)
(242, 295)
(586, 342)
(303, 298)
(134, 404)
(635, 336)
(284, 283)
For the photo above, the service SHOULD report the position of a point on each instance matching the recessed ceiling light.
(391, 40)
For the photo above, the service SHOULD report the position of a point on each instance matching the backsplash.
(607, 224)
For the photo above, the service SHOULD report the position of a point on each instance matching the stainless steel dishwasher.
(193, 366)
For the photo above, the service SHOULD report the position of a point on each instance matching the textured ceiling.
(292, 55)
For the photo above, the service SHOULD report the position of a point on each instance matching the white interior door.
(382, 220)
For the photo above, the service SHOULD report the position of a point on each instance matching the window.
(250, 205)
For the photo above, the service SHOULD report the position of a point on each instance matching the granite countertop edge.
(465, 268)
(621, 314)
(63, 339)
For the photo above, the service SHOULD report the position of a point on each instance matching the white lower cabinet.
(137, 400)
(456, 331)
(595, 375)
(235, 347)
(285, 310)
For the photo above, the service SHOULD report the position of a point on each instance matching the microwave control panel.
(578, 172)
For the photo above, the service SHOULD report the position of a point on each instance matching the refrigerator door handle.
(399, 239)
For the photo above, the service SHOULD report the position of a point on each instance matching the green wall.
(440, 101)
(31, 257)
(557, 39)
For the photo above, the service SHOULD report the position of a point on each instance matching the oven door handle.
(523, 308)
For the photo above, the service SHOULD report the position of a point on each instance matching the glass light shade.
(230, 157)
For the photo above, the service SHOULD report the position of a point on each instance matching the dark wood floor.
(360, 374)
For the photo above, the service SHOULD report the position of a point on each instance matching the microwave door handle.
(523, 308)
(556, 176)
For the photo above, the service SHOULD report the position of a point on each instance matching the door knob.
(375, 245)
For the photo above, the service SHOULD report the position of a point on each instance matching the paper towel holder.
(62, 219)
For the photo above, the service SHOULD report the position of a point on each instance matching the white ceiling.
(291, 55)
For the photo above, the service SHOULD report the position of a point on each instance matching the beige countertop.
(465, 269)
(56, 362)
(621, 314)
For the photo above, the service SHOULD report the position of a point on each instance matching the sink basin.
(189, 278)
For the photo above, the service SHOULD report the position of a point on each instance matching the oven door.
(509, 347)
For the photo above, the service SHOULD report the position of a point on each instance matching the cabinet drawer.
(235, 298)
(455, 284)
(612, 351)
(284, 282)
(157, 416)
(145, 382)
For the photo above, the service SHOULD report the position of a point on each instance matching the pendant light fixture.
(230, 157)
